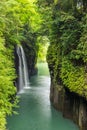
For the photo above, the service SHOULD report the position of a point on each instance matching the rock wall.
(16, 63)
(68, 92)
(70, 104)
(31, 56)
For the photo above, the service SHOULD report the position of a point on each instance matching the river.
(35, 110)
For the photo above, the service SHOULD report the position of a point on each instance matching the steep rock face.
(31, 56)
(16, 63)
(68, 86)
(70, 104)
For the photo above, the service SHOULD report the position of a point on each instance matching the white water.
(23, 70)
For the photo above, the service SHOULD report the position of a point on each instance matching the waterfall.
(23, 69)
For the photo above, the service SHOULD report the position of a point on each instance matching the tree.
(18, 23)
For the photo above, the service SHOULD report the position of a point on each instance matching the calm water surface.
(35, 111)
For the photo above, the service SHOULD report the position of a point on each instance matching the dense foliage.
(18, 25)
(7, 89)
(67, 53)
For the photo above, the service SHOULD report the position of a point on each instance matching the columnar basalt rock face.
(57, 96)
(68, 92)
(70, 104)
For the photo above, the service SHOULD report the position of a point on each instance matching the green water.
(35, 111)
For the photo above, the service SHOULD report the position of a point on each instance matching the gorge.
(27, 28)
(35, 111)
